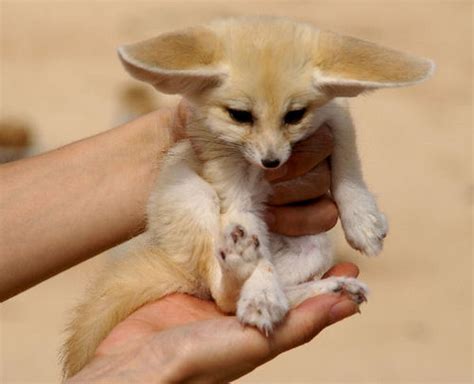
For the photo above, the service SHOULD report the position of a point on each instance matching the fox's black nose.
(270, 163)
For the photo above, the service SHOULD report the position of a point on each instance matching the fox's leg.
(248, 282)
(262, 302)
(241, 192)
(352, 287)
(300, 259)
(238, 255)
(364, 225)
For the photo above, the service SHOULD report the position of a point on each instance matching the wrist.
(142, 144)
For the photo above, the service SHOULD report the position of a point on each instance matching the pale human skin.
(182, 339)
(91, 195)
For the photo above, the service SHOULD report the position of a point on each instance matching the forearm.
(62, 207)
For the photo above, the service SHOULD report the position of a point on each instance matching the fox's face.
(257, 82)
(263, 108)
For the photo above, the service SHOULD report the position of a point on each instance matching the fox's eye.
(241, 116)
(294, 117)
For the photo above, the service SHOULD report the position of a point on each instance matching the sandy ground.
(59, 70)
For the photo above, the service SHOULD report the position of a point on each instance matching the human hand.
(184, 339)
(304, 179)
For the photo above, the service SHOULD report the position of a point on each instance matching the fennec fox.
(256, 86)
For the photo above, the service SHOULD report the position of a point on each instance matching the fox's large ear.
(346, 66)
(182, 62)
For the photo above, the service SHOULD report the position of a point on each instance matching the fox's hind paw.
(355, 289)
(239, 251)
(263, 309)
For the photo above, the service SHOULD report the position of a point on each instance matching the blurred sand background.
(59, 71)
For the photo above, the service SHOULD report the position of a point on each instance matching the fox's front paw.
(263, 308)
(239, 252)
(364, 226)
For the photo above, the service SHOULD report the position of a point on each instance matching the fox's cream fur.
(206, 235)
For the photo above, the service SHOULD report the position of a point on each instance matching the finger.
(316, 217)
(311, 317)
(314, 314)
(252, 347)
(343, 269)
(310, 186)
(305, 156)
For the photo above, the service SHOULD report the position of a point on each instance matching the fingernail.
(341, 310)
